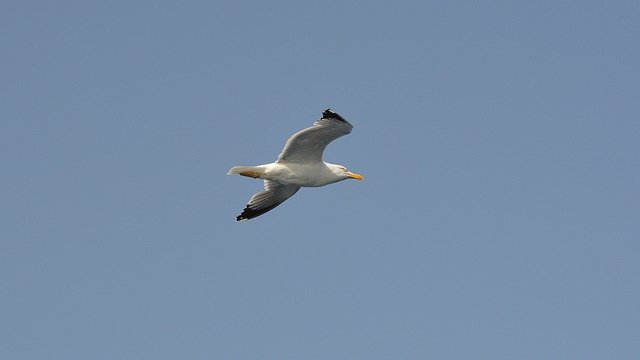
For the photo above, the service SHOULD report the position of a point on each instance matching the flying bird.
(299, 164)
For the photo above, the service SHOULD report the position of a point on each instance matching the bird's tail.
(250, 171)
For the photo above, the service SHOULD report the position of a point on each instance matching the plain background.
(499, 216)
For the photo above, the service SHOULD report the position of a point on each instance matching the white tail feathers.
(250, 171)
(236, 170)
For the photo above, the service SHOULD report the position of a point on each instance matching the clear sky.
(499, 217)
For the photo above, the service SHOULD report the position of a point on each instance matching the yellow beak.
(355, 176)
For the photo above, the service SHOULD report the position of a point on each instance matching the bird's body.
(299, 165)
(301, 175)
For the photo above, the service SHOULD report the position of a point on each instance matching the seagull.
(299, 164)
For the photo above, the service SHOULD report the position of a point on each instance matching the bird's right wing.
(307, 146)
(273, 195)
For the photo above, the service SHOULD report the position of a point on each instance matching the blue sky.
(499, 217)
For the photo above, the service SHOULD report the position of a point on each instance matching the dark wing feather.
(273, 195)
(307, 146)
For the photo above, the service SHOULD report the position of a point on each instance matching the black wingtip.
(330, 114)
(249, 213)
(245, 214)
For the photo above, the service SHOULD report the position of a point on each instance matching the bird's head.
(343, 173)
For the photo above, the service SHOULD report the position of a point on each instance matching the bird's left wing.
(307, 146)
(273, 195)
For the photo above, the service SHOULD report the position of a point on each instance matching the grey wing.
(307, 146)
(273, 195)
